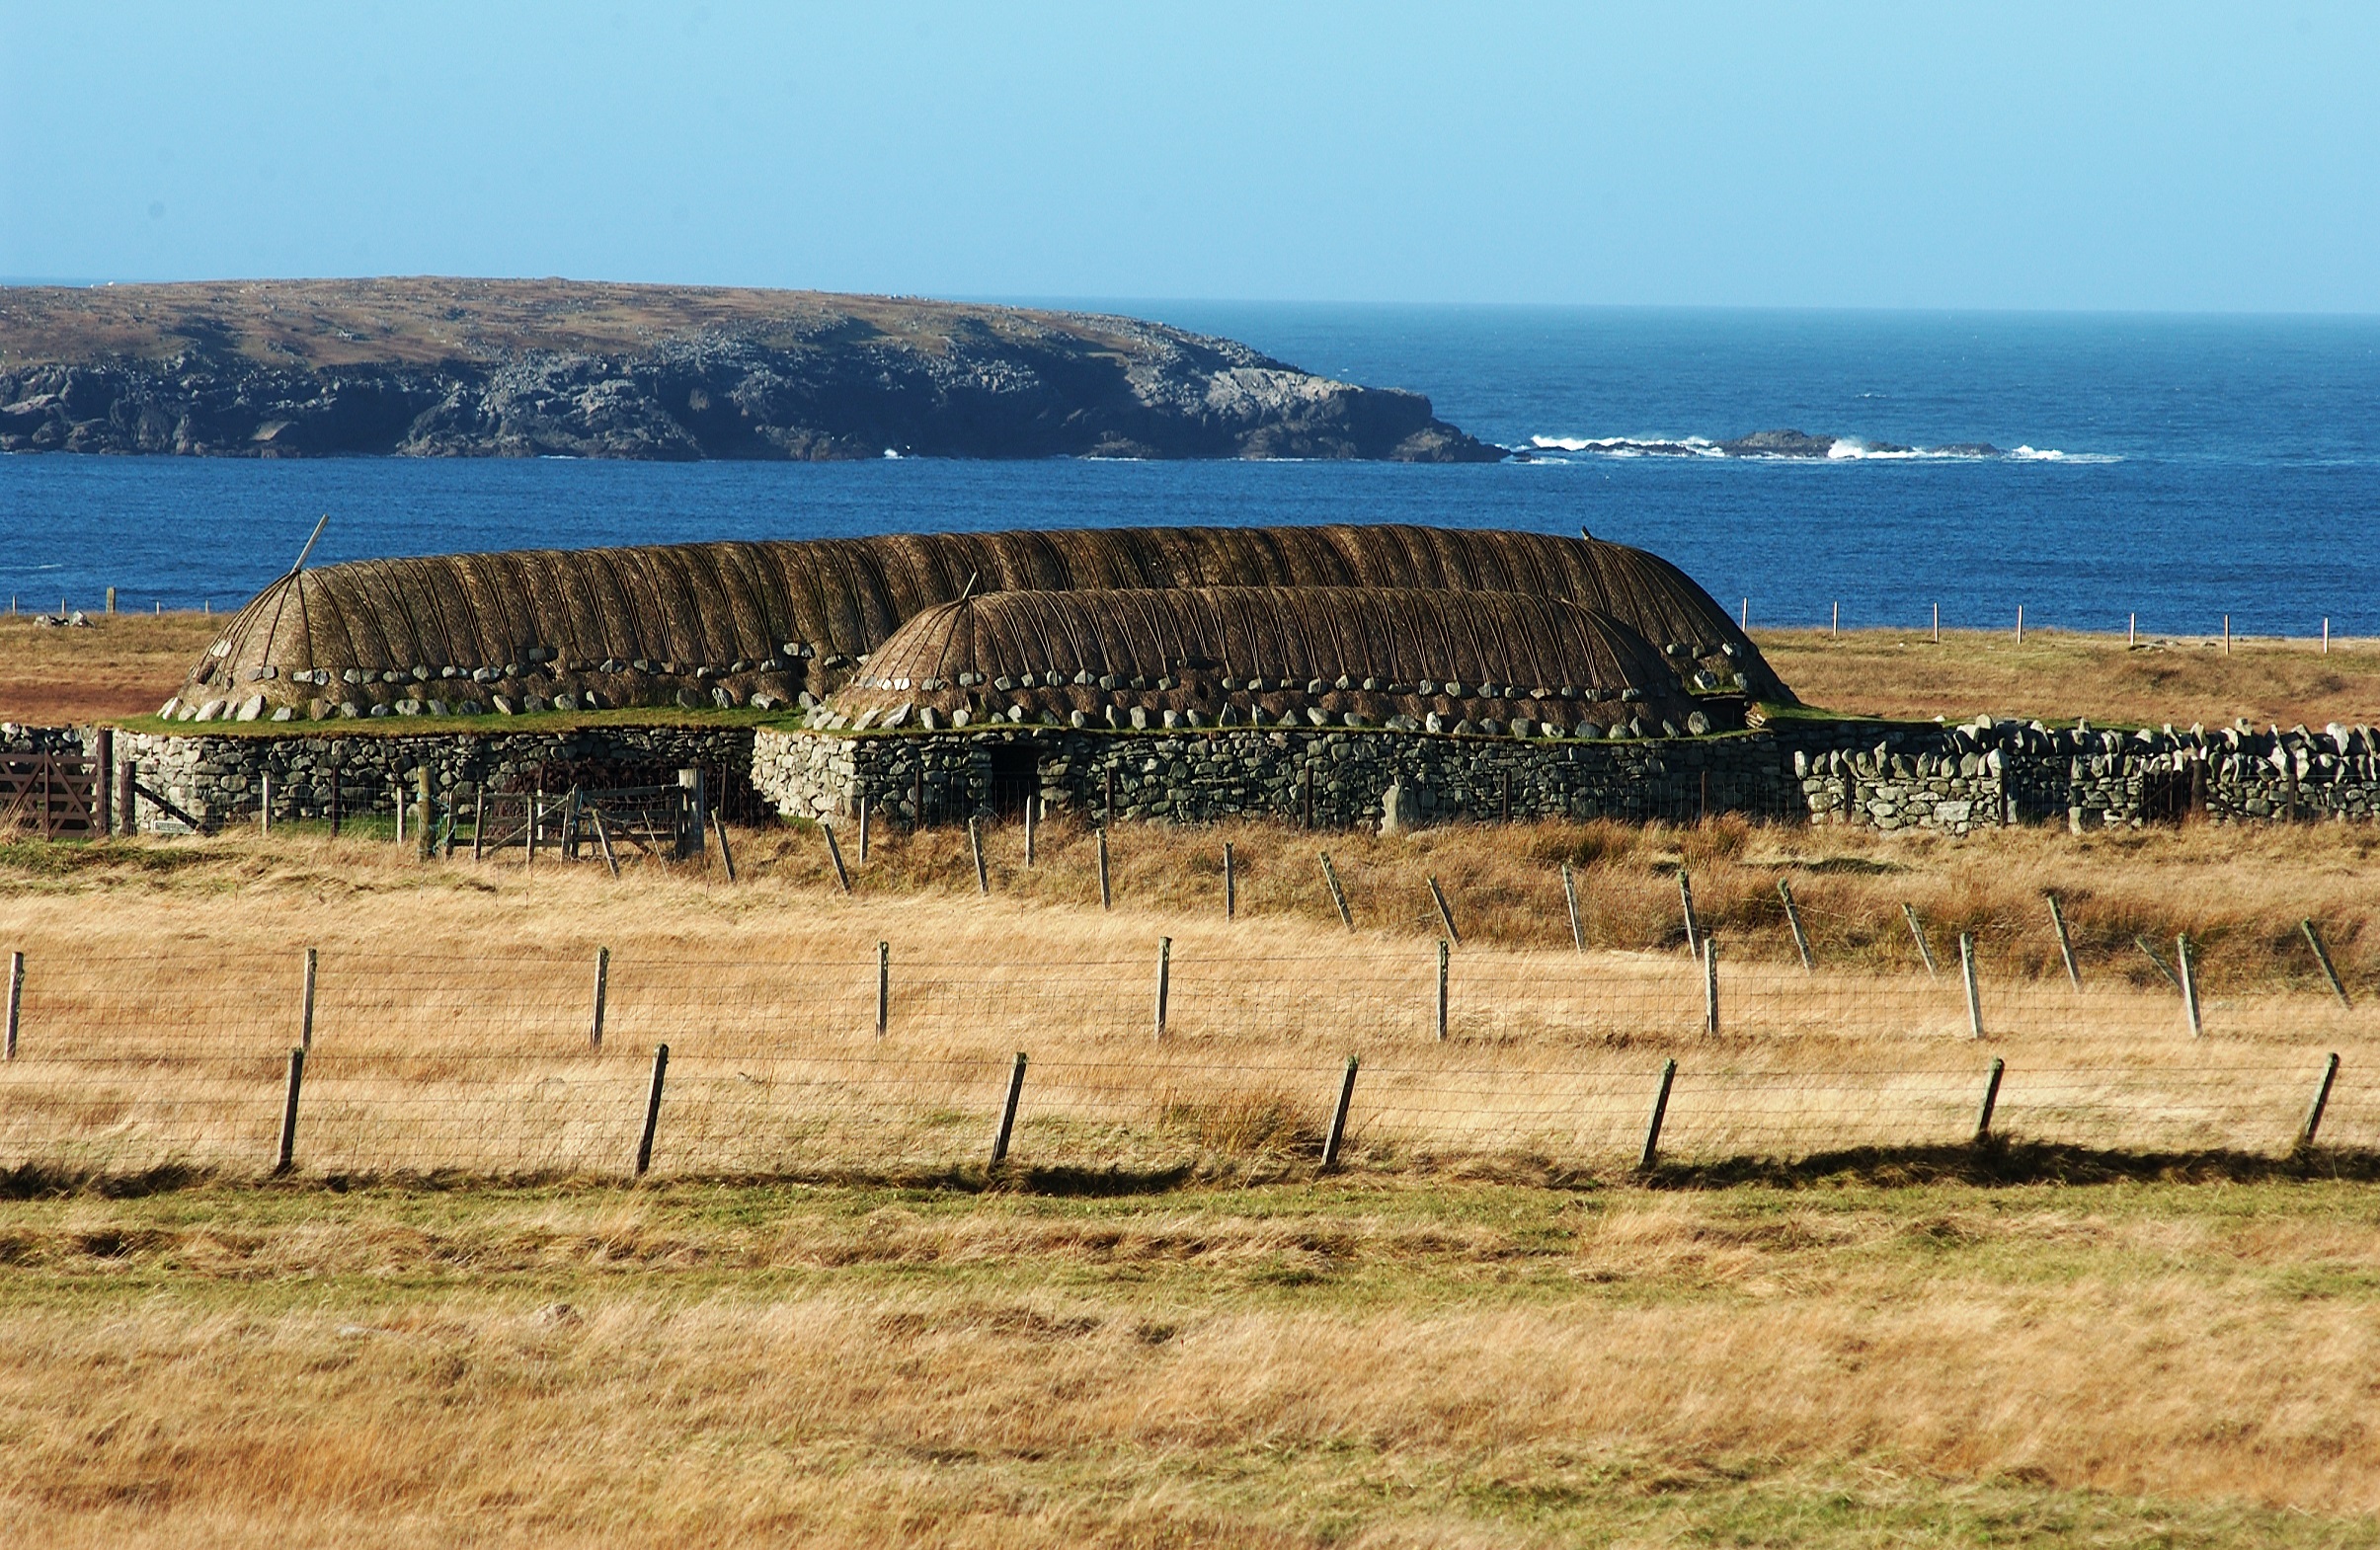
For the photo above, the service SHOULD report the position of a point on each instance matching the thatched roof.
(1222, 654)
(728, 622)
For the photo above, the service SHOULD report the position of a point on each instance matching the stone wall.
(16, 739)
(1989, 774)
(1196, 776)
(217, 779)
(1887, 776)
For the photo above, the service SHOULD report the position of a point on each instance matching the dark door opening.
(1015, 778)
(2165, 796)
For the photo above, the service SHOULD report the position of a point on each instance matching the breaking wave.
(1797, 446)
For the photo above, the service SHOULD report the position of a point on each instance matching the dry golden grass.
(2057, 675)
(455, 1000)
(123, 664)
(1481, 1333)
(1438, 1363)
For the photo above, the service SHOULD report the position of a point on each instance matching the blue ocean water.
(2180, 468)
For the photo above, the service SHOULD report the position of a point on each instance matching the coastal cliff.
(437, 368)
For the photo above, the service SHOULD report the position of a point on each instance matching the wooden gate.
(653, 818)
(50, 795)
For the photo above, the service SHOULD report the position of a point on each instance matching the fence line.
(534, 1001)
(545, 1062)
(735, 1114)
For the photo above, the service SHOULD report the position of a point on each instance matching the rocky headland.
(437, 367)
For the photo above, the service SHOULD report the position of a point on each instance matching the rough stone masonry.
(1887, 776)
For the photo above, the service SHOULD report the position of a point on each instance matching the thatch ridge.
(732, 622)
(1370, 653)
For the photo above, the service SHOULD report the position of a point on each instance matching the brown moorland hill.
(437, 366)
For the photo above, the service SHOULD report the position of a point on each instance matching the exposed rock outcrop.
(526, 368)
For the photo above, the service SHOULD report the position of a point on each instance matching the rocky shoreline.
(541, 369)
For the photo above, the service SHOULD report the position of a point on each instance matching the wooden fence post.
(102, 768)
(644, 1144)
(727, 857)
(1710, 985)
(297, 1077)
(424, 835)
(834, 853)
(1164, 979)
(1578, 926)
(863, 831)
(397, 796)
(602, 993)
(1231, 885)
(2322, 955)
(603, 834)
(1925, 951)
(264, 802)
(1446, 916)
(127, 816)
(1106, 898)
(1966, 970)
(2182, 962)
(1801, 939)
(2322, 1100)
(1016, 1088)
(305, 1012)
(1693, 929)
(15, 999)
(1443, 955)
(1032, 818)
(1991, 1100)
(1339, 1117)
(689, 815)
(1339, 895)
(975, 844)
(1653, 1128)
(917, 801)
(884, 987)
(2057, 920)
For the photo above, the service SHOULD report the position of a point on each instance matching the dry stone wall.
(1342, 776)
(1869, 774)
(16, 738)
(1988, 774)
(223, 778)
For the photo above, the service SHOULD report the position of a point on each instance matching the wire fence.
(530, 1063)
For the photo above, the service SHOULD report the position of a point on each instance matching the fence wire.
(490, 1062)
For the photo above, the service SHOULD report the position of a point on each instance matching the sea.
(2096, 471)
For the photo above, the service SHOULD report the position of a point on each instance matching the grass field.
(1402, 1363)
(1442, 1345)
(120, 664)
(2057, 675)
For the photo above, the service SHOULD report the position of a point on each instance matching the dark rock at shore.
(528, 368)
(1796, 443)
(1792, 443)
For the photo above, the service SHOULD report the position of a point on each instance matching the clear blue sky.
(2170, 156)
